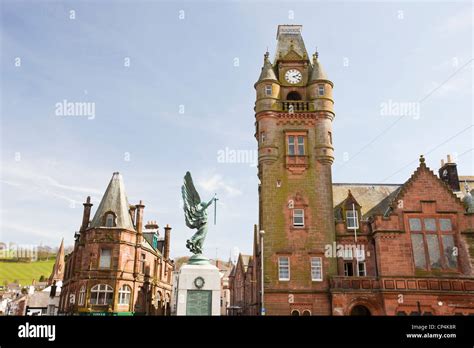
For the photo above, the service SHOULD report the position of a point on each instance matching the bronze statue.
(195, 215)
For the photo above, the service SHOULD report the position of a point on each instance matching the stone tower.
(294, 114)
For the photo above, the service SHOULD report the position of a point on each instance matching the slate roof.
(367, 195)
(114, 200)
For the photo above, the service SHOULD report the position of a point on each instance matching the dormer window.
(268, 90)
(352, 219)
(321, 90)
(110, 220)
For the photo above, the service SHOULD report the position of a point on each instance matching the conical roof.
(318, 72)
(115, 201)
(267, 70)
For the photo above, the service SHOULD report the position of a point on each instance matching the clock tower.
(294, 115)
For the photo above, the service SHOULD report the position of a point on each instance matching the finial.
(422, 159)
(266, 55)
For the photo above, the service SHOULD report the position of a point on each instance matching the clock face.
(293, 76)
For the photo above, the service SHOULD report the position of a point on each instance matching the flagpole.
(215, 209)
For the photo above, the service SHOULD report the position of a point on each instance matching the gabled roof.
(405, 187)
(389, 203)
(114, 200)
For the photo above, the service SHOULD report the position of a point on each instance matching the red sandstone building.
(118, 266)
(345, 249)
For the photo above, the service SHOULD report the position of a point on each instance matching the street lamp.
(262, 308)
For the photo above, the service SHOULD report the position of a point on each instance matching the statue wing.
(191, 202)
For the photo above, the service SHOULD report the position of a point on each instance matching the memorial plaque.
(198, 302)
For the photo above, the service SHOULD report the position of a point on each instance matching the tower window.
(321, 89)
(300, 145)
(268, 90)
(298, 217)
(352, 219)
(262, 137)
(330, 137)
(293, 96)
(105, 258)
(316, 269)
(291, 145)
(284, 268)
(296, 145)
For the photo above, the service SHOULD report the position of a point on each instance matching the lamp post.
(262, 308)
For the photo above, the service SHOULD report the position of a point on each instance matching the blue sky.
(188, 93)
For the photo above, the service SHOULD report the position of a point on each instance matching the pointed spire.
(267, 70)
(318, 72)
(114, 201)
(58, 269)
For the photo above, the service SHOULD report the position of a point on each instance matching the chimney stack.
(151, 225)
(87, 213)
(166, 252)
(139, 222)
(449, 174)
(132, 210)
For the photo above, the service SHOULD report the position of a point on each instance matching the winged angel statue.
(195, 214)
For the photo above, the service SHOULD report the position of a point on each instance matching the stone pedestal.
(198, 290)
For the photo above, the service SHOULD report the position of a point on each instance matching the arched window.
(293, 96)
(110, 220)
(101, 294)
(159, 300)
(295, 313)
(124, 295)
(82, 295)
(306, 313)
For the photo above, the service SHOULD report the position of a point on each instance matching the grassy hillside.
(25, 272)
